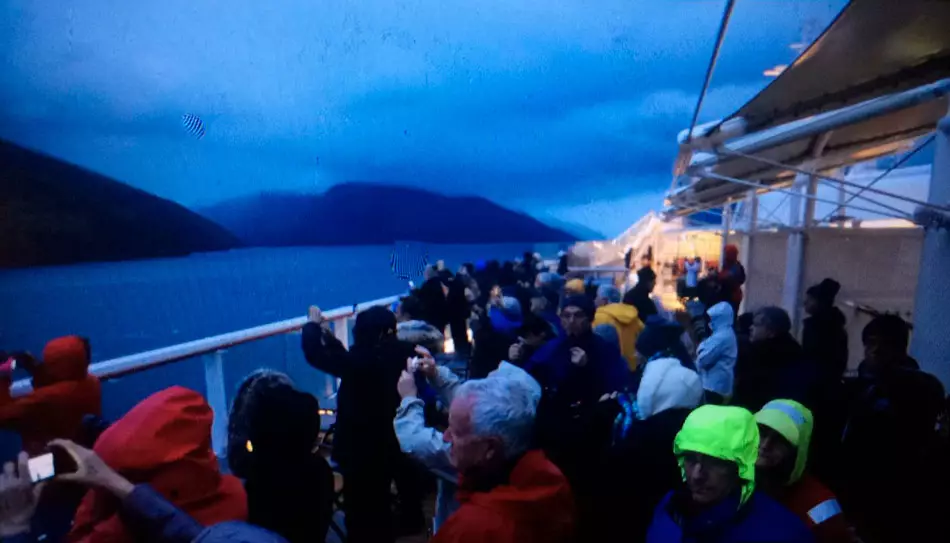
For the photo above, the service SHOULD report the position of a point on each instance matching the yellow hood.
(622, 314)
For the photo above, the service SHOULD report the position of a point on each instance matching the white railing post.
(217, 399)
(341, 329)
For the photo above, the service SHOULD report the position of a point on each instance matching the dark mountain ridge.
(375, 214)
(53, 212)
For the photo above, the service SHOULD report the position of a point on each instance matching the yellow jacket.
(626, 320)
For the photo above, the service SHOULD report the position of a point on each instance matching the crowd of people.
(576, 412)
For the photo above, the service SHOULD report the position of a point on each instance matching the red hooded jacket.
(535, 506)
(164, 441)
(63, 394)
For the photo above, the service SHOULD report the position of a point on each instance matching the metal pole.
(845, 182)
(712, 175)
(931, 342)
(217, 399)
(723, 24)
(745, 252)
(726, 227)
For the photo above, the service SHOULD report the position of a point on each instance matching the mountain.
(53, 212)
(373, 214)
(580, 231)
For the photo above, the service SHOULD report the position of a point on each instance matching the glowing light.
(249, 446)
(775, 71)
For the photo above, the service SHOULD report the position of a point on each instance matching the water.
(129, 307)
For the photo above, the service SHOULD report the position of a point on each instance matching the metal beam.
(723, 24)
(816, 198)
(844, 182)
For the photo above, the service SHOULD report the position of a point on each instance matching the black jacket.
(775, 369)
(297, 505)
(640, 298)
(434, 303)
(367, 399)
(825, 341)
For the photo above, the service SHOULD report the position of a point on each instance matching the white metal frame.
(213, 350)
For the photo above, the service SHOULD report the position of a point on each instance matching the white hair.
(609, 293)
(502, 408)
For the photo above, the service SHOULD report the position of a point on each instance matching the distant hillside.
(580, 231)
(371, 214)
(53, 212)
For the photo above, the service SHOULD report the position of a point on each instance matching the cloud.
(549, 103)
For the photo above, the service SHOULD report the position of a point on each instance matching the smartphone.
(42, 467)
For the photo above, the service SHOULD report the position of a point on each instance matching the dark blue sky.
(564, 108)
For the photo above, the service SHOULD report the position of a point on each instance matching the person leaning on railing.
(149, 515)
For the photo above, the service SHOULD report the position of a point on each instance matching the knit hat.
(581, 302)
(666, 384)
(825, 292)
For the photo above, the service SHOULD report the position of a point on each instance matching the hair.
(646, 275)
(776, 319)
(533, 325)
(890, 328)
(411, 306)
(502, 408)
(609, 293)
(245, 402)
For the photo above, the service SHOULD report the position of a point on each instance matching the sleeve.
(323, 351)
(15, 413)
(445, 384)
(422, 443)
(151, 516)
(708, 353)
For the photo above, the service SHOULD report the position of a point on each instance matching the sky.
(564, 109)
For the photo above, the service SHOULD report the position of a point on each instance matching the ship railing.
(213, 352)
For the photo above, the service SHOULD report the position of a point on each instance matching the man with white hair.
(508, 492)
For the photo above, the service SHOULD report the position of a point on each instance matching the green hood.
(795, 423)
(727, 433)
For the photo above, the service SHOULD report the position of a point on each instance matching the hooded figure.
(625, 319)
(365, 444)
(732, 277)
(785, 428)
(717, 450)
(272, 431)
(164, 441)
(716, 355)
(661, 338)
(63, 393)
(644, 460)
(824, 338)
(498, 332)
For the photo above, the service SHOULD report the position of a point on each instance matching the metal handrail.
(134, 363)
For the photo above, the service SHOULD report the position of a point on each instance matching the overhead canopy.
(873, 48)
(876, 79)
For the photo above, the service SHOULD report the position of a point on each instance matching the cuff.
(407, 404)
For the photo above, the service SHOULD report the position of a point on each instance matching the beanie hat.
(581, 302)
(825, 292)
(666, 384)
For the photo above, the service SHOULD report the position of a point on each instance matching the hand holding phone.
(18, 498)
(88, 469)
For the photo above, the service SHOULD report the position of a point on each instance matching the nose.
(447, 436)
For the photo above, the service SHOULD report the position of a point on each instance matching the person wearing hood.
(639, 295)
(364, 444)
(718, 502)
(624, 318)
(273, 430)
(716, 355)
(427, 445)
(785, 431)
(497, 332)
(508, 493)
(642, 467)
(824, 338)
(732, 277)
(146, 513)
(412, 329)
(63, 393)
(164, 441)
(776, 366)
(434, 297)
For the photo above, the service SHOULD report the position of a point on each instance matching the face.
(774, 449)
(574, 321)
(881, 353)
(710, 480)
(469, 451)
(760, 330)
(811, 305)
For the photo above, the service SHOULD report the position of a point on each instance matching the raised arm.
(321, 348)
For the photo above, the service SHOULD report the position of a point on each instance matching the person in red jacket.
(507, 493)
(732, 277)
(785, 429)
(63, 393)
(164, 441)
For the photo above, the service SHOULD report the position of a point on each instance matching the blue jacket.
(760, 520)
(606, 370)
